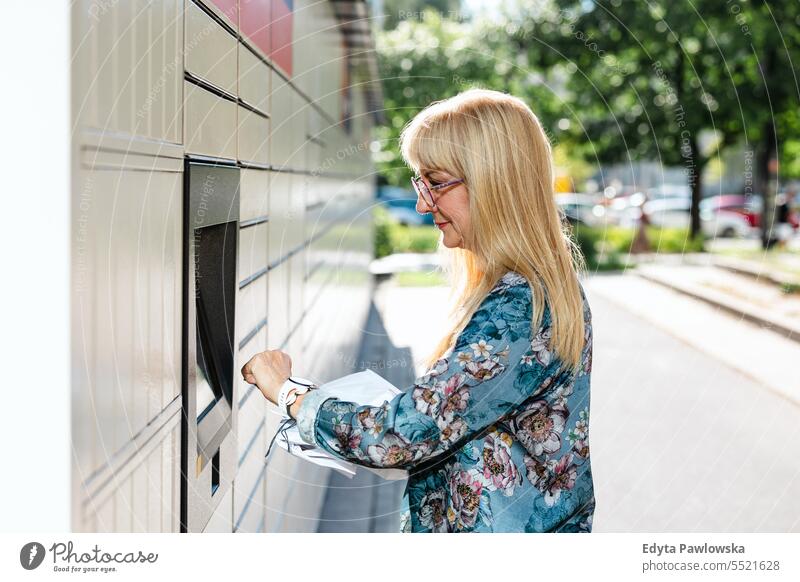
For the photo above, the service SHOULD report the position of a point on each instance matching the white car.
(674, 213)
(581, 208)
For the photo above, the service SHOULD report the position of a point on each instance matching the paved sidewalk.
(752, 299)
(366, 503)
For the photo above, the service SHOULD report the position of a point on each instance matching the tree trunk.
(695, 167)
(767, 183)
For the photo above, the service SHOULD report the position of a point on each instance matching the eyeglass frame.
(416, 180)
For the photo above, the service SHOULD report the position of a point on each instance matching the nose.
(423, 207)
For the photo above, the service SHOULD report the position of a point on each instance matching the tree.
(432, 58)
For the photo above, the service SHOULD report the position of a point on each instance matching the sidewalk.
(753, 297)
(366, 503)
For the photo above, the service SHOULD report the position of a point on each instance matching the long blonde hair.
(496, 144)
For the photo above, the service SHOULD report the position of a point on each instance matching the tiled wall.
(155, 82)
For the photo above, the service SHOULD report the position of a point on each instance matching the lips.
(442, 224)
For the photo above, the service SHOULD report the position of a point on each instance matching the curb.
(743, 268)
(756, 316)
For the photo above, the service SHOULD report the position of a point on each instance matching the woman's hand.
(268, 370)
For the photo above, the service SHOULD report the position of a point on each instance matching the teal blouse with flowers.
(495, 435)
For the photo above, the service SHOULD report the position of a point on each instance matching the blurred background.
(256, 141)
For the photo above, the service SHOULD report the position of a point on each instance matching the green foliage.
(607, 248)
(431, 58)
(382, 224)
(392, 237)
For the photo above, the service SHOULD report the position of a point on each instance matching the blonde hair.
(496, 144)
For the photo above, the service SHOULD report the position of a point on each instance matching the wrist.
(295, 407)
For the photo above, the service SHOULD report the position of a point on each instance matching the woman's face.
(451, 213)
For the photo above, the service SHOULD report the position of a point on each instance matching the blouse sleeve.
(495, 365)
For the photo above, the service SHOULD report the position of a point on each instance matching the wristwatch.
(291, 389)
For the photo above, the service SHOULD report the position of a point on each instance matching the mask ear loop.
(286, 424)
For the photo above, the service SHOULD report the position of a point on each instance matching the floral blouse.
(495, 435)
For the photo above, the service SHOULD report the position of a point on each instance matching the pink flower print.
(432, 512)
(485, 370)
(455, 396)
(499, 471)
(539, 345)
(465, 498)
(538, 427)
(426, 400)
(368, 420)
(564, 476)
(346, 438)
(391, 451)
(581, 448)
(451, 429)
(537, 472)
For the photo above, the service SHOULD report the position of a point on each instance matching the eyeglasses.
(426, 192)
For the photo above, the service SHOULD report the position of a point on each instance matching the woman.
(495, 433)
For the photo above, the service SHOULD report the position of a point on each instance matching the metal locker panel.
(280, 470)
(228, 10)
(123, 502)
(125, 57)
(140, 72)
(252, 251)
(104, 522)
(171, 288)
(280, 130)
(254, 79)
(155, 494)
(140, 509)
(222, 519)
(251, 308)
(104, 73)
(176, 481)
(277, 304)
(172, 91)
(253, 190)
(169, 465)
(279, 192)
(248, 486)
(211, 50)
(210, 123)
(158, 74)
(253, 137)
(297, 122)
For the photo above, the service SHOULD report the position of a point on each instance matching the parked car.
(404, 211)
(714, 221)
(581, 209)
(666, 191)
(748, 207)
